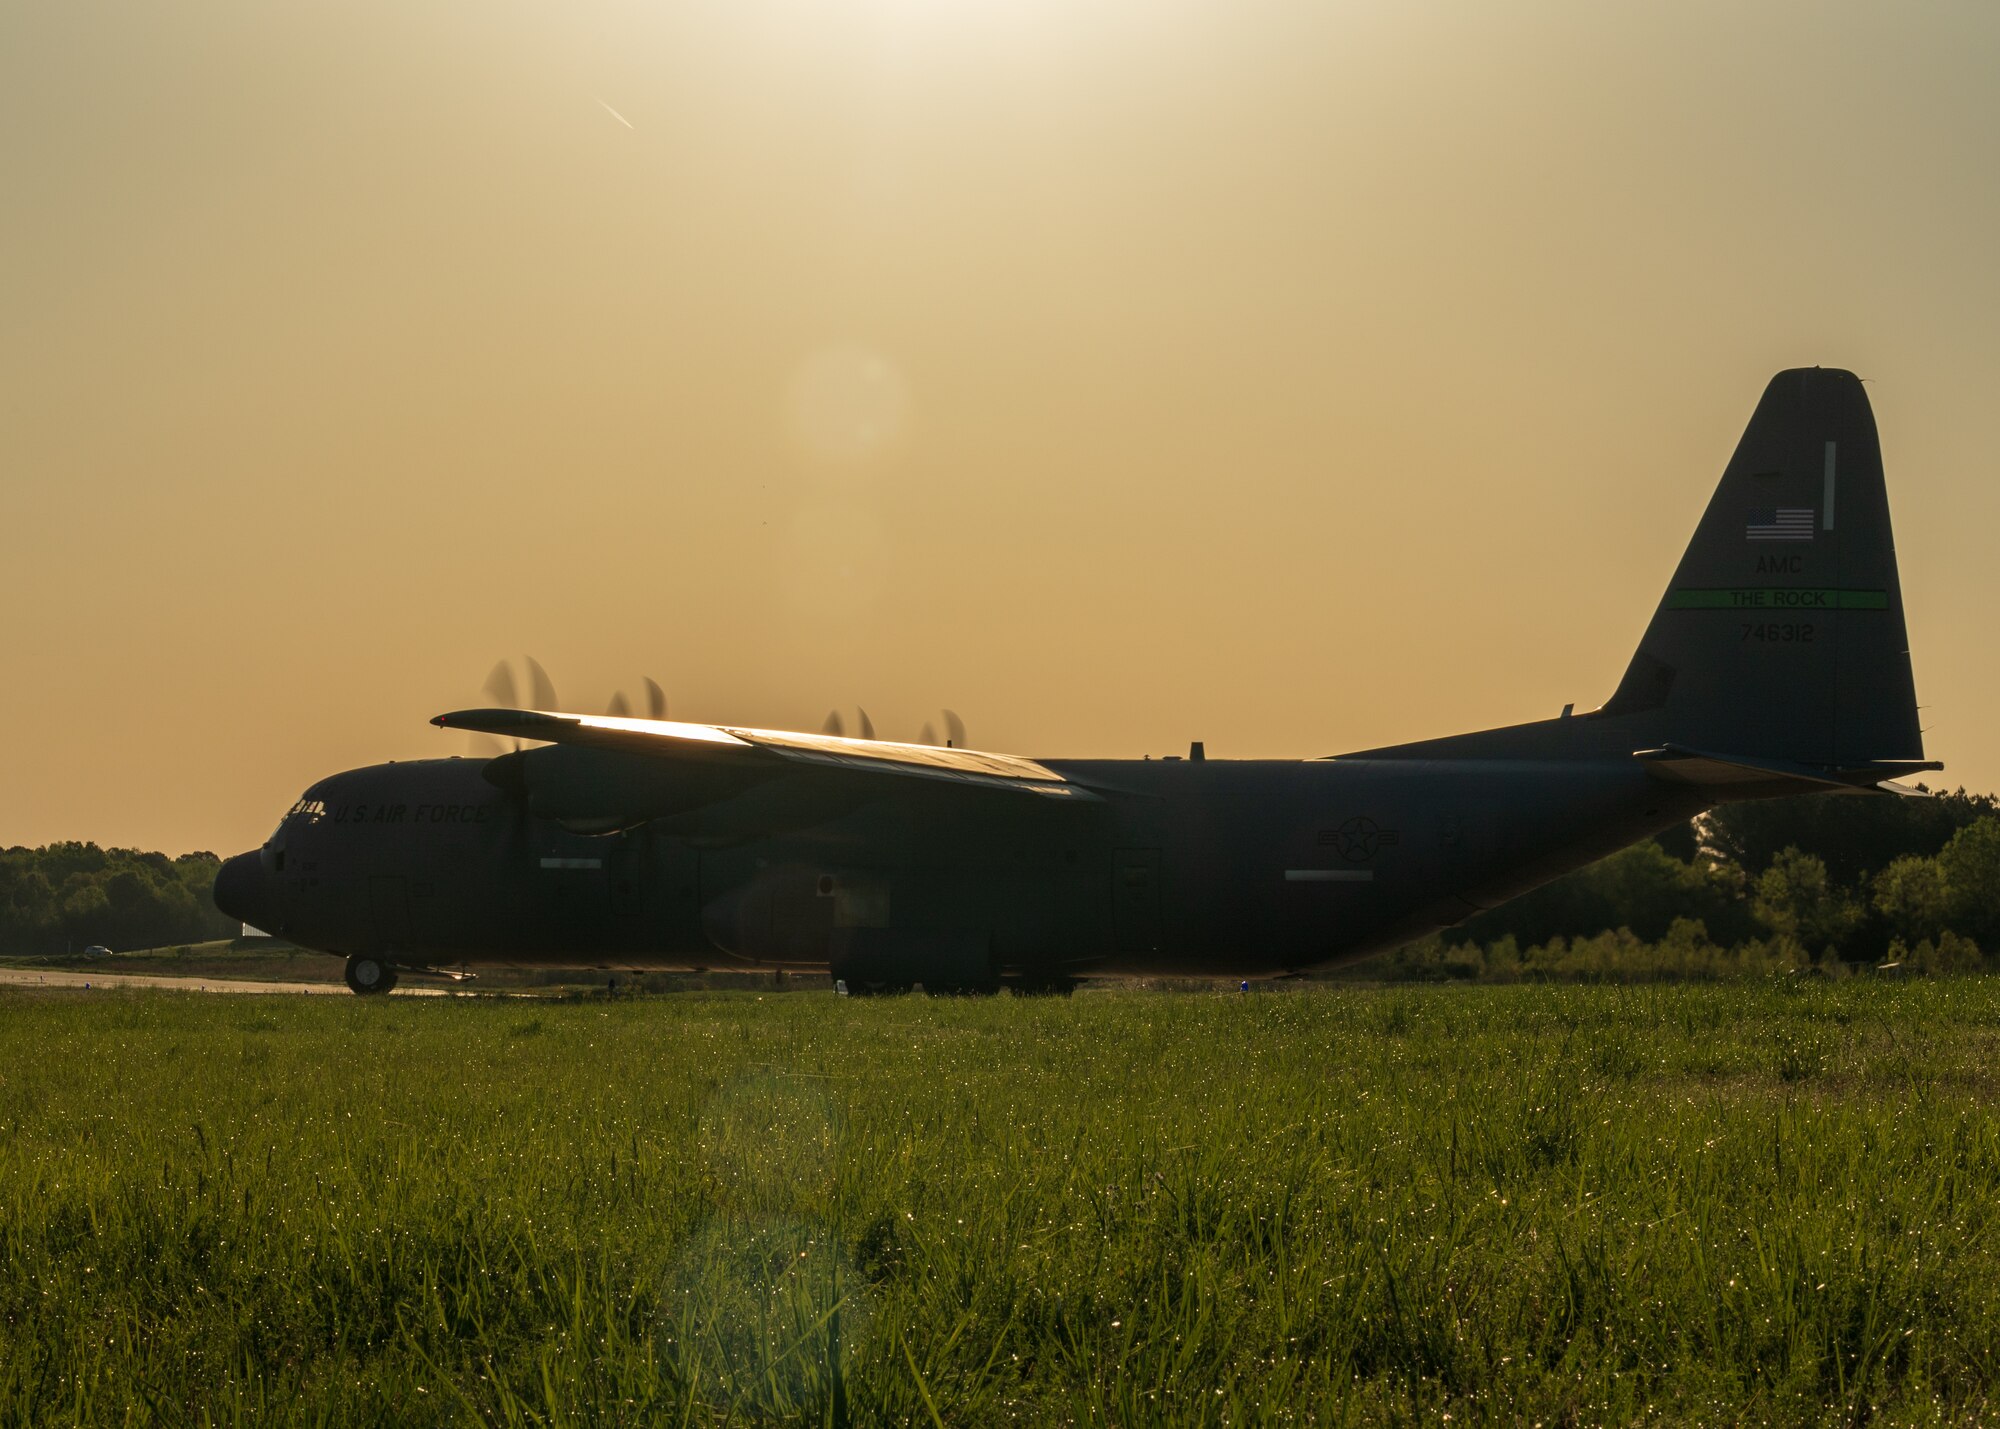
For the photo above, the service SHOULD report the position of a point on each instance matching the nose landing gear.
(367, 976)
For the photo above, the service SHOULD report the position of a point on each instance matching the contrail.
(614, 113)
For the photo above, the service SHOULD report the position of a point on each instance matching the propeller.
(656, 702)
(837, 727)
(500, 686)
(540, 686)
(954, 731)
(505, 691)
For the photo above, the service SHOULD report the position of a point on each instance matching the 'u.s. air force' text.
(318, 813)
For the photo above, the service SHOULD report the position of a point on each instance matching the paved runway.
(65, 977)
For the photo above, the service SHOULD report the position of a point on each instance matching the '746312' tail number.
(1779, 632)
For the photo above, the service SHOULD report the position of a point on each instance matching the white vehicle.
(97, 950)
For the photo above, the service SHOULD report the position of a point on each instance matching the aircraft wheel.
(368, 976)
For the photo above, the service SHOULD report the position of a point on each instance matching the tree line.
(64, 897)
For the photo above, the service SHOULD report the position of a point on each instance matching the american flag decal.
(1786, 523)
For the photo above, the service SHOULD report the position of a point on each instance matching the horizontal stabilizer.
(1694, 766)
(713, 744)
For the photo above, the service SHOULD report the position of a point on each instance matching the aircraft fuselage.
(1193, 867)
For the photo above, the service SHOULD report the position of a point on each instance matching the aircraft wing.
(710, 744)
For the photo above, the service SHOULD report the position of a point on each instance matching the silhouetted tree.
(1796, 899)
(1910, 896)
(1970, 865)
(1855, 836)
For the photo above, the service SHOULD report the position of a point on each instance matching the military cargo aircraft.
(1775, 664)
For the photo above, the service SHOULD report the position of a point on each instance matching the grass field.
(1768, 1203)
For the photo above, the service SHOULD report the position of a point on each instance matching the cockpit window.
(306, 811)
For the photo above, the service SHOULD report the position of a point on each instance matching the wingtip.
(483, 720)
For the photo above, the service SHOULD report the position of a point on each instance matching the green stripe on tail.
(1776, 598)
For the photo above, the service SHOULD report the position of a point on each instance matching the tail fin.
(1782, 635)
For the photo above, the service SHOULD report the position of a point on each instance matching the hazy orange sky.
(1294, 375)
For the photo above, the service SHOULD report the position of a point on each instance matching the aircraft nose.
(239, 890)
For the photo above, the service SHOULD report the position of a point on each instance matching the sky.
(1292, 375)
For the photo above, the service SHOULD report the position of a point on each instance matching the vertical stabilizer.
(1782, 634)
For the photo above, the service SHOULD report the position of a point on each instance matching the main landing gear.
(368, 976)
